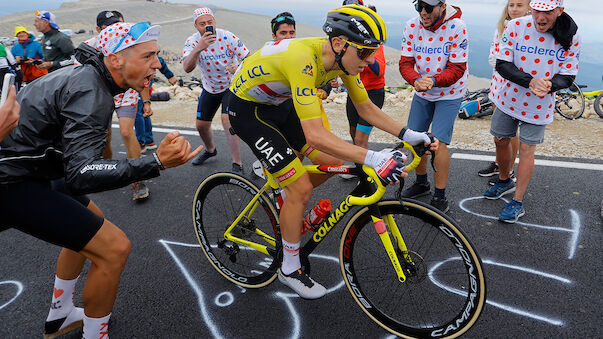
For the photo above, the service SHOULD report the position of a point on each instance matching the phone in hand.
(9, 80)
(210, 28)
(37, 61)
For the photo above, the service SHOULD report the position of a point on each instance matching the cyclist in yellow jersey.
(294, 68)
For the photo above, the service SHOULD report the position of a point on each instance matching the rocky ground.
(567, 138)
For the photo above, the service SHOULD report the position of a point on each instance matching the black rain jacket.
(62, 131)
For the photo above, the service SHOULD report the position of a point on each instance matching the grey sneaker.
(416, 190)
(489, 171)
(440, 203)
(200, 159)
(238, 169)
(499, 189)
(141, 191)
(302, 284)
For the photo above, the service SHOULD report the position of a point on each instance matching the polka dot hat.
(546, 5)
(201, 11)
(122, 35)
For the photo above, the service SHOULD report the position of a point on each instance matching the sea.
(480, 32)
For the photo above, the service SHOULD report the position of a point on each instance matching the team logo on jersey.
(308, 70)
(463, 44)
(359, 82)
(305, 96)
(229, 53)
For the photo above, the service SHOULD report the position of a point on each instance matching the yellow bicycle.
(408, 266)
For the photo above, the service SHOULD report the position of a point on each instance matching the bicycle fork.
(380, 227)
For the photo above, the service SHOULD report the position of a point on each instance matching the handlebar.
(417, 152)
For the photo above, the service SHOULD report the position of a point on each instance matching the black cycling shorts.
(33, 207)
(208, 104)
(272, 132)
(377, 96)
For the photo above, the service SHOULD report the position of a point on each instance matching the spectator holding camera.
(28, 53)
(217, 52)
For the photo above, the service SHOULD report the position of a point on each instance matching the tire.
(570, 104)
(218, 201)
(427, 304)
(599, 105)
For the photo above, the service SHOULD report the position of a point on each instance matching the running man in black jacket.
(61, 134)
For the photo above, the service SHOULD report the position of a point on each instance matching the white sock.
(96, 328)
(291, 261)
(62, 298)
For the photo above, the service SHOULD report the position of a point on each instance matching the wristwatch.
(146, 102)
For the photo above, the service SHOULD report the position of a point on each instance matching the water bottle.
(316, 216)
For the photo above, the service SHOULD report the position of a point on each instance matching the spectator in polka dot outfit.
(513, 10)
(435, 42)
(217, 54)
(538, 56)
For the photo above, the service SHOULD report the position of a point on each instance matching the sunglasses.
(277, 21)
(135, 32)
(420, 6)
(363, 52)
(352, 2)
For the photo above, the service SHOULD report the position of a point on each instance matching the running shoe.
(238, 169)
(58, 327)
(499, 189)
(512, 212)
(416, 190)
(200, 159)
(492, 181)
(440, 203)
(489, 171)
(149, 146)
(141, 191)
(302, 284)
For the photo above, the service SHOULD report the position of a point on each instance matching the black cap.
(106, 18)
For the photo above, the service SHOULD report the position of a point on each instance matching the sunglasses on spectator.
(277, 21)
(135, 32)
(420, 5)
(363, 52)
(353, 2)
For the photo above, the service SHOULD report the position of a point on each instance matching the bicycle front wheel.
(570, 104)
(218, 202)
(445, 289)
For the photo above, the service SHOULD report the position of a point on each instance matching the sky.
(480, 16)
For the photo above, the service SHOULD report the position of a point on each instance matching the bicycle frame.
(360, 196)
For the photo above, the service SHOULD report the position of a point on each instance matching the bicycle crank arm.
(389, 247)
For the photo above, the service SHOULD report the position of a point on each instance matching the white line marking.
(195, 286)
(287, 297)
(227, 295)
(539, 162)
(511, 309)
(574, 230)
(19, 291)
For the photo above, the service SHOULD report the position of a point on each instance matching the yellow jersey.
(291, 68)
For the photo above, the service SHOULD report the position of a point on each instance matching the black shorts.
(377, 96)
(272, 133)
(33, 207)
(208, 104)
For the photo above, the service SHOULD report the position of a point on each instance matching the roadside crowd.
(59, 147)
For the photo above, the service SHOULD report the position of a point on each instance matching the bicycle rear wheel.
(598, 105)
(570, 104)
(218, 201)
(445, 289)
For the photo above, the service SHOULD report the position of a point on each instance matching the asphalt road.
(543, 273)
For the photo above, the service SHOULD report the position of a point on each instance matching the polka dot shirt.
(539, 55)
(213, 60)
(432, 50)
